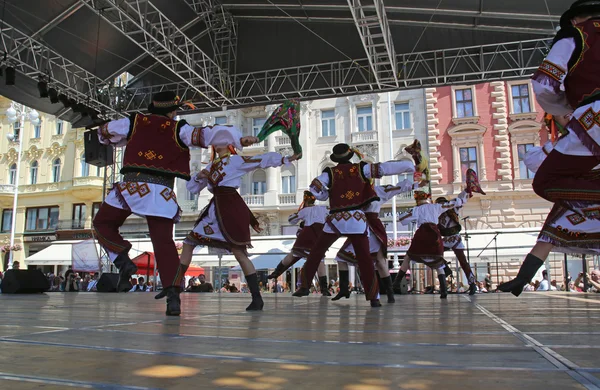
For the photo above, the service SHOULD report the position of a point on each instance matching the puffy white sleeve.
(318, 186)
(195, 186)
(407, 217)
(114, 132)
(219, 135)
(387, 192)
(454, 204)
(389, 168)
(294, 219)
(536, 156)
(267, 160)
(548, 80)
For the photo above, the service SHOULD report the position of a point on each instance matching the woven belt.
(147, 178)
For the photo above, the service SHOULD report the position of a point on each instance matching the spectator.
(545, 283)
(139, 286)
(16, 265)
(85, 283)
(488, 282)
(92, 286)
(71, 283)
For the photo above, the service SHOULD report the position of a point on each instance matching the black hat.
(580, 7)
(441, 199)
(164, 102)
(341, 153)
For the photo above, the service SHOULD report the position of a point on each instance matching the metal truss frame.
(146, 26)
(374, 31)
(417, 70)
(34, 59)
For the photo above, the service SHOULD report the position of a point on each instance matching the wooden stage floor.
(124, 341)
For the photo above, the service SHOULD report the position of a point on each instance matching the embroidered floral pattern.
(350, 195)
(150, 155)
(168, 194)
(346, 216)
(376, 171)
(317, 185)
(552, 70)
(135, 188)
(198, 137)
(208, 230)
(589, 119)
(575, 219)
(216, 172)
(593, 213)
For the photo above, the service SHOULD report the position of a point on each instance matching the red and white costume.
(314, 220)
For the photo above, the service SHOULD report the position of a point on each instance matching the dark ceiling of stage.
(271, 34)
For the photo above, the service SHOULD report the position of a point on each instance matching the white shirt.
(310, 215)
(430, 212)
(387, 192)
(544, 285)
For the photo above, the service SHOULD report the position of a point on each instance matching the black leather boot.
(526, 273)
(396, 286)
(387, 286)
(324, 286)
(447, 270)
(375, 303)
(279, 270)
(443, 287)
(257, 301)
(301, 292)
(126, 269)
(173, 301)
(472, 289)
(181, 271)
(344, 284)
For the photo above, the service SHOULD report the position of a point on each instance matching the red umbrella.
(145, 264)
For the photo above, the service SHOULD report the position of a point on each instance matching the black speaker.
(96, 153)
(108, 283)
(17, 281)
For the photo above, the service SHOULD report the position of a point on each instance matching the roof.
(237, 52)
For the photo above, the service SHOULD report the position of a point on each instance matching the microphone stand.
(496, 250)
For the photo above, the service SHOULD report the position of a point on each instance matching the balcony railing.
(287, 198)
(254, 200)
(364, 137)
(7, 189)
(262, 144)
(283, 140)
(69, 224)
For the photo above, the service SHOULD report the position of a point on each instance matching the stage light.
(10, 75)
(43, 88)
(64, 100)
(53, 93)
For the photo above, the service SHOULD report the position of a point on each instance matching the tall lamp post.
(18, 112)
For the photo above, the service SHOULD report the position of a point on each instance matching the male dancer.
(313, 219)
(349, 190)
(157, 152)
(567, 85)
(377, 241)
(449, 226)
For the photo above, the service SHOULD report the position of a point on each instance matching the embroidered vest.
(582, 84)
(154, 147)
(349, 189)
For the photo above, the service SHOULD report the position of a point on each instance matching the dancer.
(349, 190)
(449, 226)
(313, 218)
(157, 152)
(567, 85)
(377, 241)
(225, 223)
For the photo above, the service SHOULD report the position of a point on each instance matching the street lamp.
(14, 112)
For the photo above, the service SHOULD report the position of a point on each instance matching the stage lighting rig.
(53, 93)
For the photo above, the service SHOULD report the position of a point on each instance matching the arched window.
(33, 171)
(85, 167)
(288, 179)
(12, 174)
(259, 182)
(56, 170)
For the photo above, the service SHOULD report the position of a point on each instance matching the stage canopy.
(238, 53)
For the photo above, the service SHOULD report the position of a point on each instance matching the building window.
(402, 116)
(59, 127)
(257, 124)
(259, 182)
(522, 150)
(464, 103)
(520, 99)
(95, 208)
(328, 123)
(37, 131)
(288, 180)
(364, 118)
(221, 120)
(12, 174)
(33, 172)
(16, 131)
(99, 172)
(79, 214)
(85, 167)
(468, 159)
(56, 171)
(6, 220)
(41, 218)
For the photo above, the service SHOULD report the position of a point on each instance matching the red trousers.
(360, 242)
(109, 219)
(562, 177)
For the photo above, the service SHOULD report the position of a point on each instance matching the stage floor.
(124, 341)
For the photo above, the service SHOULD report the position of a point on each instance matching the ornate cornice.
(55, 150)
(11, 156)
(34, 153)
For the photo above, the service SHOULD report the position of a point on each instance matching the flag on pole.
(287, 119)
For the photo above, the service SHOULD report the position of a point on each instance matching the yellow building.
(58, 192)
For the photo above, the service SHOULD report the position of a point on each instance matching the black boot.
(343, 284)
(472, 288)
(279, 270)
(447, 270)
(324, 286)
(180, 274)
(257, 301)
(443, 287)
(301, 292)
(396, 286)
(375, 303)
(526, 273)
(173, 300)
(387, 286)
(126, 269)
